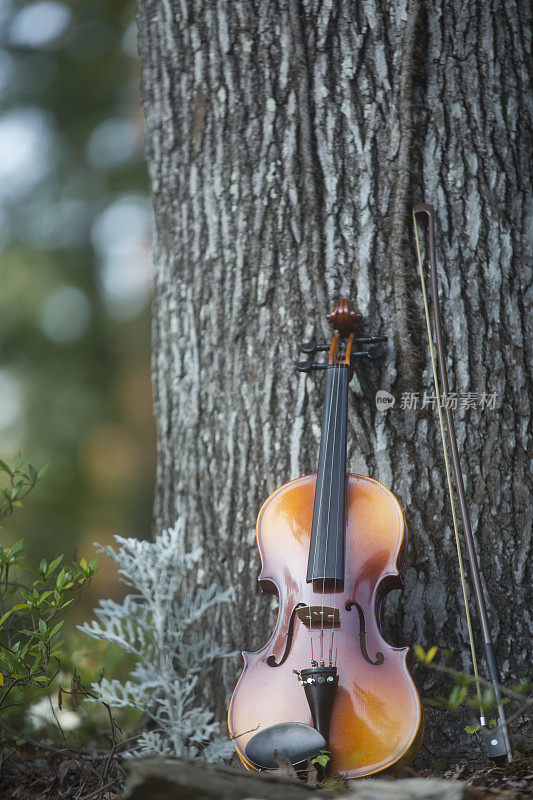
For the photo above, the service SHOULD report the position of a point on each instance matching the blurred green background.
(75, 277)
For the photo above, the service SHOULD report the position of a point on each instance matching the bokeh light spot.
(113, 143)
(129, 41)
(65, 314)
(10, 400)
(25, 149)
(40, 24)
(120, 236)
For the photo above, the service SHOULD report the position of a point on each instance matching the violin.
(331, 547)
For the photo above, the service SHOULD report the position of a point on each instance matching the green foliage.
(425, 657)
(520, 747)
(486, 702)
(523, 687)
(33, 600)
(323, 758)
(32, 616)
(333, 782)
(20, 479)
(472, 729)
(464, 690)
(450, 703)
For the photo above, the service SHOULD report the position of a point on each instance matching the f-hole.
(380, 658)
(271, 660)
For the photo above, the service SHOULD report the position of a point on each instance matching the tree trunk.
(286, 141)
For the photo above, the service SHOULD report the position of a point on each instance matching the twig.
(113, 750)
(98, 791)
(4, 758)
(62, 732)
(75, 752)
(77, 687)
(453, 673)
(512, 695)
(518, 712)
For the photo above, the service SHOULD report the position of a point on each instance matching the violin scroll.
(344, 318)
(347, 340)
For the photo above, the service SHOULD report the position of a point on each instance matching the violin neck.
(326, 551)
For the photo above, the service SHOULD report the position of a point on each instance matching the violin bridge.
(319, 616)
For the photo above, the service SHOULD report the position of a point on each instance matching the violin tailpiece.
(320, 684)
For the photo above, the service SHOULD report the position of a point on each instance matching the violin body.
(376, 719)
(331, 546)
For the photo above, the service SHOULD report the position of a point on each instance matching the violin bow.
(497, 742)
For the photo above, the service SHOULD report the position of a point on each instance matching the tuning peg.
(371, 339)
(313, 347)
(309, 366)
(373, 353)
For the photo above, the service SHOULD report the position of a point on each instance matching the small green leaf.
(16, 548)
(420, 653)
(42, 472)
(457, 695)
(53, 565)
(4, 467)
(431, 653)
(323, 758)
(5, 616)
(461, 678)
(42, 627)
(471, 729)
(446, 654)
(56, 628)
(523, 686)
(17, 461)
(43, 597)
(36, 663)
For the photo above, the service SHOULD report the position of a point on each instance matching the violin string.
(341, 488)
(336, 380)
(319, 521)
(447, 466)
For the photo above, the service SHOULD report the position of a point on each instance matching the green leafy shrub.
(463, 690)
(33, 600)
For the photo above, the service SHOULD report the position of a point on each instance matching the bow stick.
(497, 742)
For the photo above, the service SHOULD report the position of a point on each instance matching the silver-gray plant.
(157, 624)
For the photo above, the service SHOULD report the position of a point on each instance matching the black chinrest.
(294, 740)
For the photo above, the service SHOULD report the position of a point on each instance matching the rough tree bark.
(286, 140)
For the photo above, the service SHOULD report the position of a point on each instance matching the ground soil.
(34, 774)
